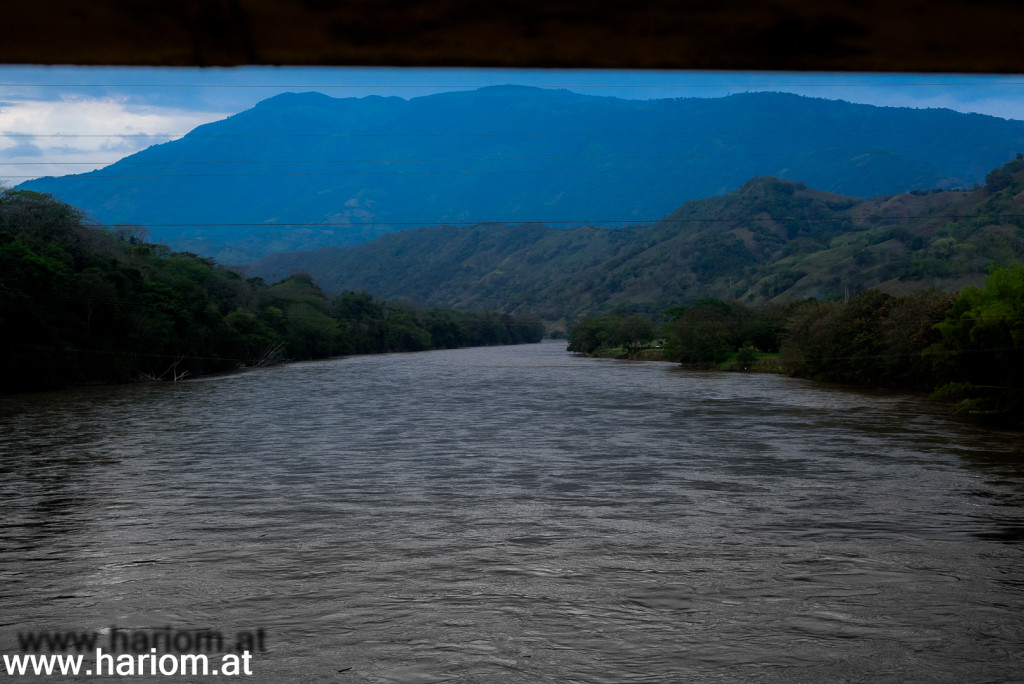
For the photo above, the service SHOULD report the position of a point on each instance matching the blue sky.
(61, 120)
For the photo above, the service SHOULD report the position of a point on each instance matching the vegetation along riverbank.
(966, 348)
(81, 304)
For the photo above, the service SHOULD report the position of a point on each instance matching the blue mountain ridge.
(305, 170)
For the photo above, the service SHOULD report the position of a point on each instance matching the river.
(518, 514)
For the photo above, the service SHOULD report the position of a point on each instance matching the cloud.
(23, 149)
(77, 134)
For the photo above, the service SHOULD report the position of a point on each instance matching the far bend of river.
(517, 514)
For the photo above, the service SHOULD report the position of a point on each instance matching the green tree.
(633, 332)
(981, 354)
(703, 334)
(591, 333)
(840, 341)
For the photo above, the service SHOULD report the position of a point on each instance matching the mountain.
(770, 240)
(300, 171)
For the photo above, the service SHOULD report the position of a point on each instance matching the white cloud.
(77, 134)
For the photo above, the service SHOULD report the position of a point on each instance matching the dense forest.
(83, 304)
(966, 348)
(769, 240)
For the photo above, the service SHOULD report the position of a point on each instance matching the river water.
(518, 514)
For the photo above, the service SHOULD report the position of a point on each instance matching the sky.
(59, 120)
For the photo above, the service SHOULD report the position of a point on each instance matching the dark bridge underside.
(844, 35)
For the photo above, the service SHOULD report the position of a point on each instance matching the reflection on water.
(518, 514)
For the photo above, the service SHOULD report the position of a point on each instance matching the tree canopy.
(83, 304)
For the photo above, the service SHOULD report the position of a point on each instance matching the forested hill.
(769, 240)
(79, 304)
(253, 184)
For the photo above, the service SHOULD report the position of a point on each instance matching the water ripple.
(520, 515)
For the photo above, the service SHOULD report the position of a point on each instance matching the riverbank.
(758, 362)
(961, 407)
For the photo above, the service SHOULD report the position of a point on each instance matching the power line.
(574, 132)
(579, 222)
(125, 162)
(102, 173)
(462, 172)
(474, 86)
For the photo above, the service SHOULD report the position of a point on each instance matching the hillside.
(770, 240)
(80, 304)
(301, 171)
